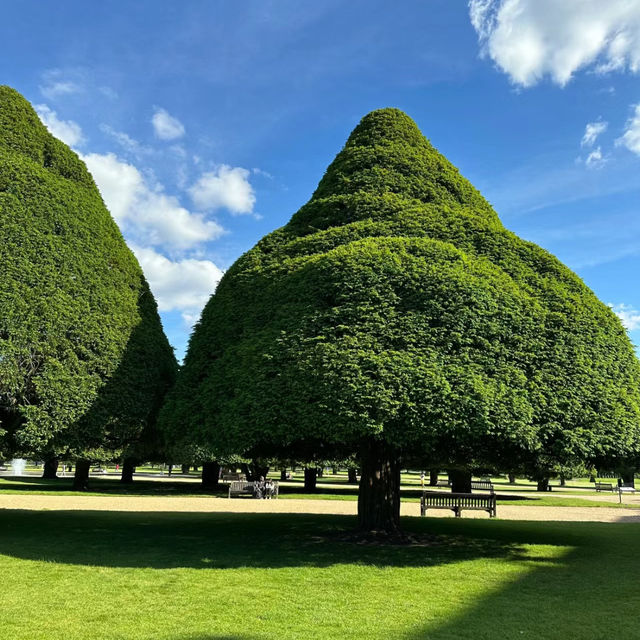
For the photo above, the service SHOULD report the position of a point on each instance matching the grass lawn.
(164, 576)
(111, 486)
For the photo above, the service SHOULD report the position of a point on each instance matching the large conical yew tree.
(84, 363)
(394, 316)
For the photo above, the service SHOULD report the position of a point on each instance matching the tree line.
(393, 321)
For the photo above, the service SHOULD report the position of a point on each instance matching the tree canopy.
(84, 363)
(394, 310)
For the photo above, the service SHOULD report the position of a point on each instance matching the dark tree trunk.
(543, 484)
(283, 474)
(185, 469)
(460, 480)
(563, 480)
(352, 475)
(128, 469)
(379, 492)
(320, 472)
(512, 478)
(628, 476)
(592, 476)
(258, 470)
(81, 477)
(433, 477)
(210, 474)
(310, 475)
(50, 471)
(334, 471)
(170, 469)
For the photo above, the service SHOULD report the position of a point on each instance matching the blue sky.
(207, 124)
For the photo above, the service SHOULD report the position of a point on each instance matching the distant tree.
(394, 316)
(84, 363)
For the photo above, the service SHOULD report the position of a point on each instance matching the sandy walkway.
(166, 504)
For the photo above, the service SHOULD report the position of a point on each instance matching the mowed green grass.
(194, 576)
(111, 486)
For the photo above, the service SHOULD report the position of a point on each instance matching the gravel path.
(244, 505)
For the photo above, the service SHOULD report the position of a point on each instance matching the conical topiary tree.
(394, 316)
(84, 363)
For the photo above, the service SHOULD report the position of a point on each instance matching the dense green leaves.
(84, 363)
(394, 305)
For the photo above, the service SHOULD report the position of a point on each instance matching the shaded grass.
(194, 576)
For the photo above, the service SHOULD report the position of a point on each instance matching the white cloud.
(630, 317)
(125, 141)
(595, 158)
(68, 131)
(165, 126)
(226, 187)
(631, 136)
(55, 88)
(592, 131)
(531, 39)
(144, 211)
(183, 285)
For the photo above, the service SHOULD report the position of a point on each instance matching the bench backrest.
(481, 484)
(435, 499)
(240, 485)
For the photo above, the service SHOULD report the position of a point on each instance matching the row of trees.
(84, 363)
(393, 320)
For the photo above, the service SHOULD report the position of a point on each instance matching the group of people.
(264, 489)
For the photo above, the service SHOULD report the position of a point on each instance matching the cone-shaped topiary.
(394, 316)
(84, 363)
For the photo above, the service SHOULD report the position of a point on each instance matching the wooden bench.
(443, 483)
(240, 488)
(604, 486)
(627, 487)
(482, 485)
(457, 502)
(230, 477)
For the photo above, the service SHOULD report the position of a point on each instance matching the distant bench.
(457, 502)
(605, 486)
(443, 483)
(627, 488)
(481, 485)
(245, 488)
(229, 477)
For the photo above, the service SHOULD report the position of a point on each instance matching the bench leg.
(458, 512)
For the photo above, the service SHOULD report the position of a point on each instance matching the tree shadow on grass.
(228, 540)
(110, 486)
(586, 593)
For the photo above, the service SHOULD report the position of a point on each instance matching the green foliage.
(84, 363)
(394, 305)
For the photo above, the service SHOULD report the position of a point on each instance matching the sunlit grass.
(159, 576)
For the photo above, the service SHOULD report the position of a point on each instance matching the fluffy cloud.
(630, 317)
(592, 131)
(165, 126)
(144, 211)
(68, 131)
(184, 285)
(530, 39)
(631, 136)
(125, 141)
(226, 187)
(595, 158)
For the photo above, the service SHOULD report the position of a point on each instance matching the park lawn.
(188, 576)
(101, 486)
